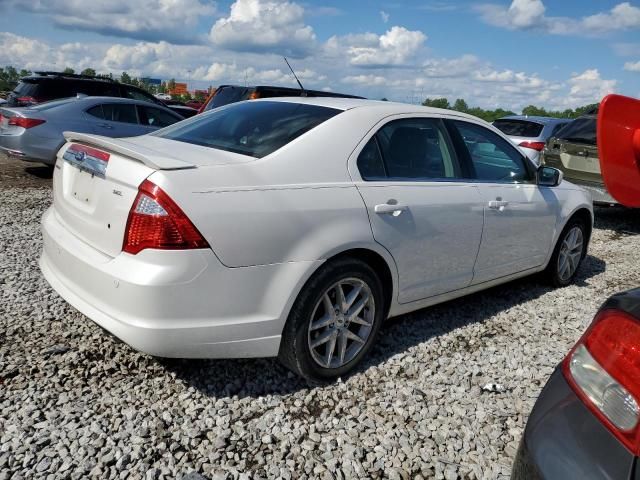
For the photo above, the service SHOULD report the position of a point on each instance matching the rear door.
(520, 217)
(420, 207)
(116, 120)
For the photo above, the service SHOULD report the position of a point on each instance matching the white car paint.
(271, 223)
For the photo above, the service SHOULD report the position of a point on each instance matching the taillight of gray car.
(586, 422)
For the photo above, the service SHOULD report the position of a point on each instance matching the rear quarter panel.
(297, 204)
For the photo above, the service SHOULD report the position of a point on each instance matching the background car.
(530, 133)
(586, 421)
(35, 133)
(294, 227)
(226, 94)
(46, 86)
(183, 110)
(574, 150)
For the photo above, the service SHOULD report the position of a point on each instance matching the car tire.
(319, 344)
(568, 254)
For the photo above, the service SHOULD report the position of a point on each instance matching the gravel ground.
(77, 403)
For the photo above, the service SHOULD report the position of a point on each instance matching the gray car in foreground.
(586, 422)
(530, 133)
(35, 133)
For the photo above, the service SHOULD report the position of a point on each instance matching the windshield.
(519, 128)
(227, 95)
(254, 128)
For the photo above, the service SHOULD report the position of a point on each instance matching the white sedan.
(295, 227)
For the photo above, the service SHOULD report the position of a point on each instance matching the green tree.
(68, 70)
(436, 103)
(125, 78)
(460, 105)
(89, 71)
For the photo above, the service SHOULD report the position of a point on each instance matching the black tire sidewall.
(294, 348)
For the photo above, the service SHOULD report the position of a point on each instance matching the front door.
(520, 217)
(420, 208)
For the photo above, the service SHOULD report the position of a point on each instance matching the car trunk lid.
(95, 183)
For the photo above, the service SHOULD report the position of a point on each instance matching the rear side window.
(154, 117)
(492, 157)
(120, 112)
(26, 89)
(557, 128)
(96, 89)
(96, 112)
(136, 94)
(519, 128)
(370, 162)
(581, 130)
(255, 128)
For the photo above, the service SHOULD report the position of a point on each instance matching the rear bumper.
(38, 149)
(183, 304)
(563, 439)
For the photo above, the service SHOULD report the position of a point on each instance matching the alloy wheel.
(341, 323)
(570, 253)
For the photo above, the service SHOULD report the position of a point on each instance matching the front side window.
(492, 157)
(120, 112)
(412, 148)
(255, 128)
(154, 117)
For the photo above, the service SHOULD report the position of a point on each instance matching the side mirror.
(549, 176)
(619, 147)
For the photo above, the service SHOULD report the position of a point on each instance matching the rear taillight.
(25, 122)
(539, 146)
(155, 221)
(254, 95)
(604, 370)
(28, 100)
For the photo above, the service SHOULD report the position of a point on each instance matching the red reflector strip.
(93, 152)
(539, 146)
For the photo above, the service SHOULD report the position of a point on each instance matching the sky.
(557, 54)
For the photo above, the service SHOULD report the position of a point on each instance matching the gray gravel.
(77, 403)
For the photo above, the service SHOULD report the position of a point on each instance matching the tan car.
(574, 151)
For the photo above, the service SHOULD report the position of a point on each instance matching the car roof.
(388, 108)
(537, 119)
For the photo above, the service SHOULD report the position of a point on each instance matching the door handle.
(498, 205)
(105, 125)
(394, 209)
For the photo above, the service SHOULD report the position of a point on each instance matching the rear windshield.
(227, 95)
(581, 130)
(519, 128)
(251, 128)
(26, 89)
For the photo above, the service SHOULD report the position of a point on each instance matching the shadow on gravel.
(257, 377)
(42, 171)
(623, 221)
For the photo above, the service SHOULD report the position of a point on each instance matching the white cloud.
(395, 47)
(531, 15)
(632, 66)
(451, 67)
(385, 16)
(589, 87)
(169, 20)
(264, 26)
(365, 80)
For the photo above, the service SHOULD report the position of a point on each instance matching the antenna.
(294, 74)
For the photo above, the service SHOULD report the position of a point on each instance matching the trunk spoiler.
(151, 158)
(618, 137)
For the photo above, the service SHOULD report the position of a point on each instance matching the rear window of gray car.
(519, 128)
(250, 128)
